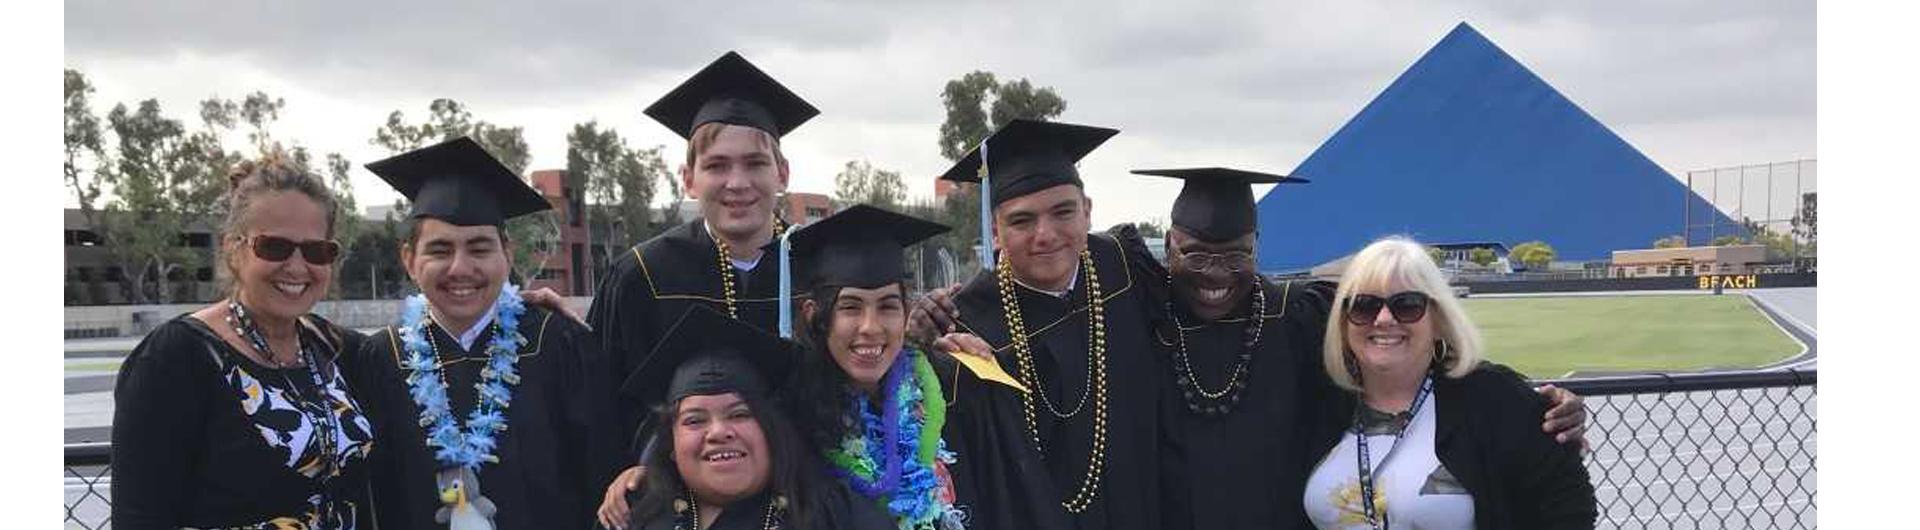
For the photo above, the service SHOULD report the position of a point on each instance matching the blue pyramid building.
(1469, 145)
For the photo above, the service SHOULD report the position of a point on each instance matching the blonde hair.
(253, 180)
(704, 136)
(1403, 261)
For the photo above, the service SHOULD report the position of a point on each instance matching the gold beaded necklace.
(1096, 377)
(726, 265)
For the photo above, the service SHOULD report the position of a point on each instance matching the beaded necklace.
(688, 512)
(317, 410)
(1213, 403)
(1096, 377)
(726, 266)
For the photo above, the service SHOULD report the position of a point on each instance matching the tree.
(1780, 247)
(1536, 254)
(1672, 241)
(1805, 224)
(84, 140)
(1154, 228)
(968, 109)
(1727, 240)
(535, 236)
(861, 183)
(1482, 256)
(976, 104)
(142, 226)
(1439, 256)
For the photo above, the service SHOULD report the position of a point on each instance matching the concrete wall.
(120, 320)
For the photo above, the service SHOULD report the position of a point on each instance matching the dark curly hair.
(796, 475)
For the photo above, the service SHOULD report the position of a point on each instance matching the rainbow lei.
(472, 446)
(897, 457)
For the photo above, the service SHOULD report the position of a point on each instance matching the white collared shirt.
(466, 338)
(1062, 294)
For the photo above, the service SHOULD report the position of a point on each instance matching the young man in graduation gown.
(858, 363)
(481, 402)
(1244, 361)
(1064, 312)
(733, 117)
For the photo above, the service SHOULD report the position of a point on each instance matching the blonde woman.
(1433, 436)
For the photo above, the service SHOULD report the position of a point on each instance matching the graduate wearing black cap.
(858, 366)
(733, 116)
(1245, 352)
(728, 456)
(483, 405)
(1246, 368)
(1064, 313)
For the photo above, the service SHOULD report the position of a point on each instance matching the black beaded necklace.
(1216, 403)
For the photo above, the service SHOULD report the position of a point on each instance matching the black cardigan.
(1489, 437)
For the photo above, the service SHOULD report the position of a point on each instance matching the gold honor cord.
(1096, 377)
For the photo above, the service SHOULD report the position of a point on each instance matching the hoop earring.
(1443, 356)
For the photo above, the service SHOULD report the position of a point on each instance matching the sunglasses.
(276, 249)
(1407, 307)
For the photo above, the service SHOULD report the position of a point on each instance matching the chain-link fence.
(1693, 451)
(88, 473)
(1777, 198)
(1702, 451)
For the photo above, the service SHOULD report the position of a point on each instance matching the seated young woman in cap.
(938, 446)
(727, 456)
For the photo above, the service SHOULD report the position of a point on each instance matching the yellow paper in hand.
(987, 369)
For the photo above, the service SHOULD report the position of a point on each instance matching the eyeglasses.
(1201, 261)
(277, 249)
(1407, 307)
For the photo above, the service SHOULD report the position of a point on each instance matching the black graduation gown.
(645, 291)
(999, 480)
(842, 510)
(1244, 469)
(542, 480)
(1128, 496)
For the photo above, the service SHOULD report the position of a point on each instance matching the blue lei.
(474, 445)
(913, 497)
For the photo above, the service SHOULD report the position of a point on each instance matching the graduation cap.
(861, 246)
(458, 182)
(707, 353)
(1216, 204)
(1027, 156)
(731, 91)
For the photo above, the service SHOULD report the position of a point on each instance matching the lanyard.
(1375, 517)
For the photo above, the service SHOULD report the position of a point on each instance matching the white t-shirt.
(1419, 492)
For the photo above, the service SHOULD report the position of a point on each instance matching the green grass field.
(1548, 337)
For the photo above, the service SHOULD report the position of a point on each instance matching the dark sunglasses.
(276, 249)
(1407, 307)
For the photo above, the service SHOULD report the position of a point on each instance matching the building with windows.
(1687, 261)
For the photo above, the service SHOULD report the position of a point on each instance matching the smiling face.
(285, 289)
(1214, 291)
(719, 449)
(866, 330)
(1386, 344)
(1042, 234)
(737, 177)
(460, 268)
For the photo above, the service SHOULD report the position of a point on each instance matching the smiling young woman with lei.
(895, 455)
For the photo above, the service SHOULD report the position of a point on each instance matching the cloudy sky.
(1252, 84)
